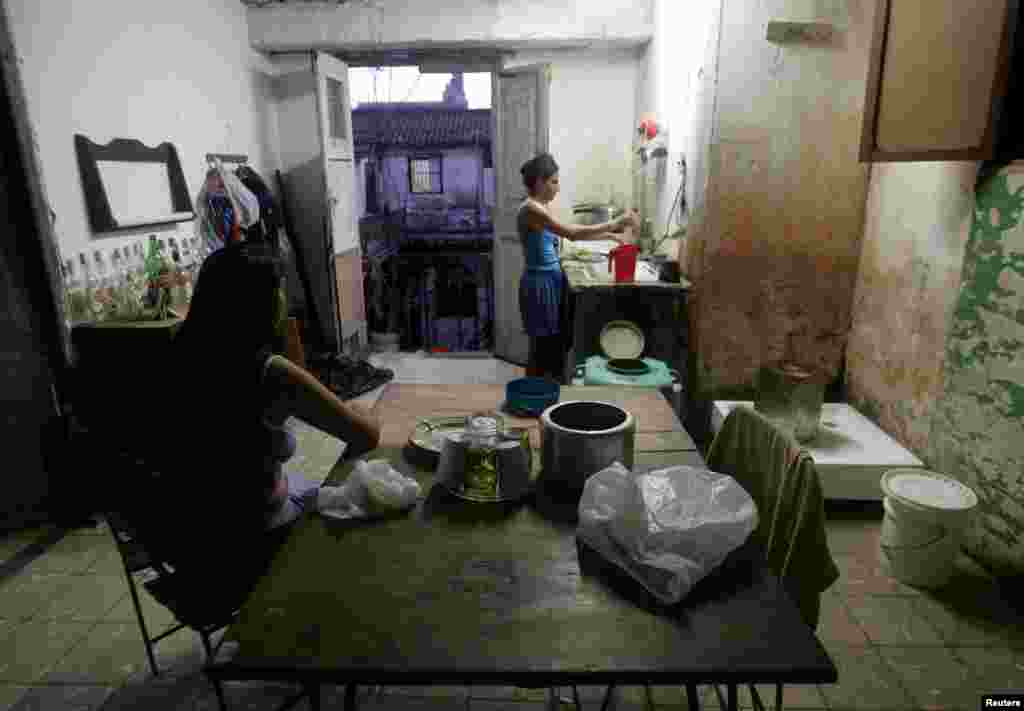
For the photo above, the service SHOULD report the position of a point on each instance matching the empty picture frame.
(127, 184)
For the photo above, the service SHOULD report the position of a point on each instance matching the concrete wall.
(592, 114)
(775, 238)
(181, 72)
(936, 355)
(411, 24)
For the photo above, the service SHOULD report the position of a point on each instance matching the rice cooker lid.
(929, 489)
(622, 339)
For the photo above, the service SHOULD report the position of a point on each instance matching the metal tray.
(429, 432)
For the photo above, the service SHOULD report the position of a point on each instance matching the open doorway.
(424, 196)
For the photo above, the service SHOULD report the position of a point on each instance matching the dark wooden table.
(462, 593)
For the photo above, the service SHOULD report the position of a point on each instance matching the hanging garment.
(224, 207)
(267, 229)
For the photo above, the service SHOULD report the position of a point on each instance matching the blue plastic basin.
(531, 395)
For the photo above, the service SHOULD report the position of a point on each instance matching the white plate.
(622, 339)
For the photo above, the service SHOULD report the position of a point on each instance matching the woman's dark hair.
(540, 167)
(235, 305)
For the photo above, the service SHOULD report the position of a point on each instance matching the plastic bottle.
(100, 295)
(67, 268)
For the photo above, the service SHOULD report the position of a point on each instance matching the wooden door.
(339, 188)
(521, 131)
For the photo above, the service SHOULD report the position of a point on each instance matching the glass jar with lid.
(482, 435)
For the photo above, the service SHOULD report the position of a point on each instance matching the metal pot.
(580, 438)
(593, 213)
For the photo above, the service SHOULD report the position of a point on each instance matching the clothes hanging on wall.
(267, 229)
(224, 207)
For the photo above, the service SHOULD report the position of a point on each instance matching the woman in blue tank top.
(543, 288)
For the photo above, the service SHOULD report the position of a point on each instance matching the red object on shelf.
(439, 349)
(648, 128)
(624, 259)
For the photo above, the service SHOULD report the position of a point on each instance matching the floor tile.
(836, 624)
(396, 702)
(31, 649)
(87, 598)
(72, 554)
(10, 694)
(22, 596)
(865, 681)
(863, 575)
(893, 620)
(852, 536)
(158, 617)
(507, 705)
(110, 653)
(183, 693)
(64, 698)
(100, 529)
(935, 678)
(994, 669)
(452, 692)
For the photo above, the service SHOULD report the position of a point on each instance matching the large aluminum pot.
(580, 438)
(593, 213)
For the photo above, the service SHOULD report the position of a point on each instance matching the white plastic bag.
(667, 528)
(373, 489)
(245, 204)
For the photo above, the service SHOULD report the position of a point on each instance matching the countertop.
(591, 275)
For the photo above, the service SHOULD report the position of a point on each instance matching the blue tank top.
(541, 248)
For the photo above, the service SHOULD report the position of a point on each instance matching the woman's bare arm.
(539, 219)
(299, 393)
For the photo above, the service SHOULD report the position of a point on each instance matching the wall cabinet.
(937, 79)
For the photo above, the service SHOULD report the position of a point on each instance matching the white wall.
(148, 69)
(667, 87)
(409, 23)
(593, 109)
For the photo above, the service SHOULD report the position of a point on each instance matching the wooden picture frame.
(106, 198)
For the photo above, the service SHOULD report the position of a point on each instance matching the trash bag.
(667, 528)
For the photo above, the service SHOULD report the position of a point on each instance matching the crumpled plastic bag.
(667, 528)
(374, 488)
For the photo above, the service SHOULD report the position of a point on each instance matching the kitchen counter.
(594, 276)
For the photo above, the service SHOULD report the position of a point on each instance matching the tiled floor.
(69, 640)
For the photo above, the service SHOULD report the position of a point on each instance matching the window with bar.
(425, 175)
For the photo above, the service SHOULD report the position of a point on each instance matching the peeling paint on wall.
(979, 425)
(936, 356)
(911, 259)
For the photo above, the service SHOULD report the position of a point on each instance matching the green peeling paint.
(982, 400)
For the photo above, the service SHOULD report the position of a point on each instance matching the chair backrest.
(781, 478)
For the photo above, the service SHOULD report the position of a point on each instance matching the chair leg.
(692, 699)
(778, 697)
(608, 694)
(142, 624)
(218, 689)
(733, 698)
(350, 699)
(576, 698)
(205, 636)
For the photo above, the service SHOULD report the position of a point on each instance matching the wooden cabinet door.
(937, 78)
